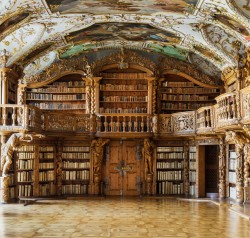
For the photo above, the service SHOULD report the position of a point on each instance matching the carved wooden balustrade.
(19, 118)
(245, 105)
(124, 123)
(227, 113)
(62, 122)
(205, 120)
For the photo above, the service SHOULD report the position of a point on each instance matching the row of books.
(74, 165)
(26, 155)
(76, 155)
(169, 165)
(60, 89)
(75, 175)
(177, 84)
(171, 155)
(24, 176)
(170, 188)
(27, 148)
(194, 90)
(169, 175)
(232, 155)
(192, 190)
(125, 87)
(181, 105)
(124, 76)
(46, 165)
(124, 99)
(48, 155)
(47, 189)
(76, 148)
(232, 164)
(232, 177)
(56, 97)
(183, 97)
(169, 148)
(192, 155)
(192, 176)
(25, 190)
(192, 165)
(76, 189)
(59, 106)
(123, 110)
(232, 192)
(46, 149)
(25, 164)
(69, 83)
(46, 175)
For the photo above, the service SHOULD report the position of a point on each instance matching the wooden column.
(239, 173)
(150, 94)
(95, 98)
(222, 169)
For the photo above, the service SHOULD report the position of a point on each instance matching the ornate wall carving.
(184, 123)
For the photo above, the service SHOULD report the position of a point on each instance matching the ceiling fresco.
(205, 65)
(121, 6)
(209, 34)
(123, 31)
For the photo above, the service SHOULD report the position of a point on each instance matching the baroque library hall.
(125, 118)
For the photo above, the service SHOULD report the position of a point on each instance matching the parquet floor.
(116, 217)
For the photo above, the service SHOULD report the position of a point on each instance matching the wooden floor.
(116, 217)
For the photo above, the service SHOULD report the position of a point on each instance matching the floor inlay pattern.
(115, 217)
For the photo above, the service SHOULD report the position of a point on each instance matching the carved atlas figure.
(8, 149)
(148, 155)
(97, 147)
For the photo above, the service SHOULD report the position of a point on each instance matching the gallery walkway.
(116, 217)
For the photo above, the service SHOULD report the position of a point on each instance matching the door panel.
(123, 157)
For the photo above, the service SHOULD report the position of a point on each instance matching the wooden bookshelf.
(75, 170)
(179, 94)
(192, 170)
(169, 170)
(25, 170)
(123, 92)
(232, 171)
(47, 171)
(64, 94)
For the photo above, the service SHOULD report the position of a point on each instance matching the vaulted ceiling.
(209, 34)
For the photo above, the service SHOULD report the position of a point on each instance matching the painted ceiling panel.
(121, 6)
(123, 31)
(160, 28)
(242, 5)
(205, 65)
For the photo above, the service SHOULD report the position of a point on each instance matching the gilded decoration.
(130, 57)
(183, 122)
(61, 122)
(57, 69)
(164, 124)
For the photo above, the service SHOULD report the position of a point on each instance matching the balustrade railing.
(227, 110)
(14, 116)
(124, 123)
(231, 110)
(204, 120)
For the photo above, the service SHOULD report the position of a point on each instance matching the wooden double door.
(123, 168)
